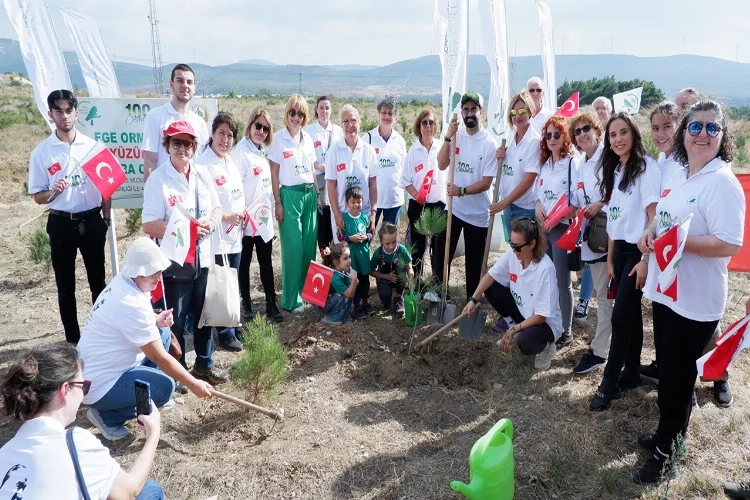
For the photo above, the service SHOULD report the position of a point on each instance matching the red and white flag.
(258, 217)
(180, 237)
(668, 249)
(157, 293)
(569, 107)
(714, 364)
(317, 284)
(569, 239)
(558, 212)
(104, 170)
(424, 190)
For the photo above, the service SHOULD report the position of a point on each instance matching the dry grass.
(364, 420)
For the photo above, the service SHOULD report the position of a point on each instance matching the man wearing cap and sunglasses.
(78, 217)
(475, 169)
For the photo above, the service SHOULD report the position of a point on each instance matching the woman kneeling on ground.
(42, 390)
(522, 288)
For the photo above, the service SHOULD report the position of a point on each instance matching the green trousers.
(298, 234)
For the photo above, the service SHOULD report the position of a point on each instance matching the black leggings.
(474, 239)
(264, 262)
(531, 340)
(419, 241)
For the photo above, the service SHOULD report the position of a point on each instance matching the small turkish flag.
(580, 185)
(257, 170)
(317, 144)
(54, 168)
(317, 284)
(513, 277)
(569, 239)
(288, 154)
(157, 293)
(419, 167)
(569, 107)
(340, 167)
(668, 249)
(424, 190)
(377, 151)
(665, 193)
(558, 212)
(220, 181)
(174, 199)
(458, 150)
(95, 168)
(713, 365)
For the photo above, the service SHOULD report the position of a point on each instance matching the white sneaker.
(168, 405)
(110, 433)
(543, 360)
(300, 309)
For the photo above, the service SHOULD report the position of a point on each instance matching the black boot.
(247, 311)
(272, 311)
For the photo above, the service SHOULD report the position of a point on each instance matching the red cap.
(181, 127)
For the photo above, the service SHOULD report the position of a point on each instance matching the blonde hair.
(258, 113)
(297, 103)
(527, 101)
(417, 129)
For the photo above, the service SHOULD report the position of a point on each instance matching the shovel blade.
(473, 326)
(449, 312)
(434, 313)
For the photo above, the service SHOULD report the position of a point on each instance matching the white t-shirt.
(120, 323)
(475, 160)
(540, 119)
(627, 210)
(36, 463)
(418, 162)
(391, 156)
(158, 119)
(587, 192)
(520, 159)
(166, 187)
(228, 184)
(668, 167)
(323, 139)
(534, 289)
(296, 161)
(352, 168)
(53, 160)
(553, 183)
(715, 198)
(254, 171)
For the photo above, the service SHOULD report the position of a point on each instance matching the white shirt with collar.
(541, 118)
(228, 184)
(391, 156)
(167, 187)
(255, 173)
(417, 164)
(715, 198)
(296, 161)
(587, 192)
(553, 183)
(534, 289)
(627, 210)
(53, 160)
(352, 168)
(668, 166)
(475, 160)
(36, 463)
(119, 324)
(158, 119)
(520, 159)
(323, 139)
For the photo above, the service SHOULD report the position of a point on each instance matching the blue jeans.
(189, 295)
(151, 491)
(234, 262)
(587, 283)
(117, 406)
(338, 307)
(512, 212)
(389, 215)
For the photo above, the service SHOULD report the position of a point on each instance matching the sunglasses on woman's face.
(517, 248)
(181, 143)
(712, 129)
(260, 126)
(294, 113)
(585, 129)
(550, 135)
(428, 122)
(85, 385)
(519, 112)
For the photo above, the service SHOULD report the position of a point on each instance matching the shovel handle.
(441, 331)
(276, 415)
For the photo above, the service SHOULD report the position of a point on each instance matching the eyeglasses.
(428, 122)
(712, 129)
(585, 129)
(519, 112)
(536, 90)
(517, 248)
(181, 143)
(294, 113)
(467, 111)
(260, 126)
(346, 123)
(550, 135)
(85, 385)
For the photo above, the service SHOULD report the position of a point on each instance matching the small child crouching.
(389, 262)
(338, 308)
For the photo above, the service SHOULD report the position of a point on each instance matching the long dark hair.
(223, 118)
(609, 161)
(726, 145)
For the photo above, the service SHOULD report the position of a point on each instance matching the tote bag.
(221, 306)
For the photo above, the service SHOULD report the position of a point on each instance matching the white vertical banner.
(96, 65)
(452, 47)
(548, 54)
(492, 13)
(41, 51)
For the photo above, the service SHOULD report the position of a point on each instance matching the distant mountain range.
(421, 77)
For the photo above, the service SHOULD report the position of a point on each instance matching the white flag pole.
(548, 54)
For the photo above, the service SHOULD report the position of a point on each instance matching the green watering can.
(490, 466)
(412, 309)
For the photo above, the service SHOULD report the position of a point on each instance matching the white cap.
(144, 259)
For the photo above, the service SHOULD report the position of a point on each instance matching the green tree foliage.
(591, 89)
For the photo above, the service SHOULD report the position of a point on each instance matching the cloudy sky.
(385, 31)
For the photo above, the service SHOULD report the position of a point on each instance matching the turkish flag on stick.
(569, 239)
(569, 107)
(104, 170)
(668, 249)
(714, 364)
(317, 284)
(558, 212)
(424, 190)
(180, 237)
(157, 293)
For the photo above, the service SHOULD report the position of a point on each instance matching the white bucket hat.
(144, 259)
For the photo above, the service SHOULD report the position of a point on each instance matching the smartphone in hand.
(142, 398)
(611, 289)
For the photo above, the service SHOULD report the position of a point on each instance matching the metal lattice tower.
(156, 49)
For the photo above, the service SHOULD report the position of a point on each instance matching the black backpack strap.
(76, 464)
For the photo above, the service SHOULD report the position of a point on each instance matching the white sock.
(509, 320)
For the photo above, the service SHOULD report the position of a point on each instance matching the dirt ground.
(365, 420)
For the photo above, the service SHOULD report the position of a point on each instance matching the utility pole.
(156, 49)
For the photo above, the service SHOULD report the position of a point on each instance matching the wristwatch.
(473, 300)
(107, 220)
(447, 139)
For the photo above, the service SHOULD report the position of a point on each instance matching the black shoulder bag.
(76, 464)
(575, 263)
(595, 234)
